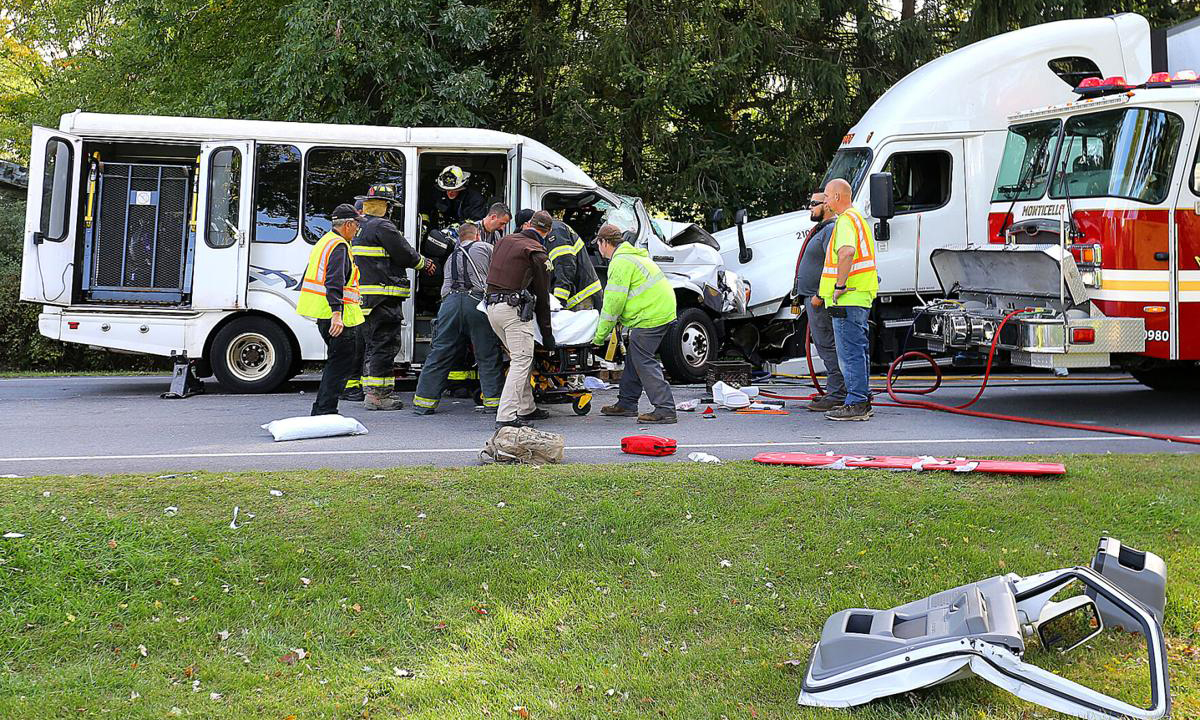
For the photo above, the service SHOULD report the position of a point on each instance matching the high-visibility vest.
(862, 284)
(312, 303)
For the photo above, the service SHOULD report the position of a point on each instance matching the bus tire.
(251, 355)
(689, 345)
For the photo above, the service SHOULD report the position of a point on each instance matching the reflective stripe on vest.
(313, 303)
(864, 252)
(566, 250)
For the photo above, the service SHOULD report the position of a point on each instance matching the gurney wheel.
(582, 405)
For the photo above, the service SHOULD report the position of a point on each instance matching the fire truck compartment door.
(56, 173)
(1007, 272)
(224, 218)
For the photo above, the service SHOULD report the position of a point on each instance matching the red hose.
(892, 392)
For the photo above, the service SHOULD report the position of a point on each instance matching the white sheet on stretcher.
(570, 327)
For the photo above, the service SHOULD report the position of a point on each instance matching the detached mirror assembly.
(981, 629)
(745, 254)
(883, 204)
(716, 219)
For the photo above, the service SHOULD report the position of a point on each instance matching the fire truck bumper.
(1040, 339)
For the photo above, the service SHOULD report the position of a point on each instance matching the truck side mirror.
(717, 217)
(745, 254)
(883, 204)
(1066, 625)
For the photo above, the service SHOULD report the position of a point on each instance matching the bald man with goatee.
(849, 284)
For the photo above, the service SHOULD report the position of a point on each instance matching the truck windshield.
(1025, 167)
(1126, 153)
(848, 164)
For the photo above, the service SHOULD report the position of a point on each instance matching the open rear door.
(224, 217)
(515, 175)
(51, 217)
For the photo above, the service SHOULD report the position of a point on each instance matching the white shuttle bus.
(170, 236)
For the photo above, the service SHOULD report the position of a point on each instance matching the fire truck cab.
(1092, 257)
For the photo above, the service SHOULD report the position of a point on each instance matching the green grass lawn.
(654, 590)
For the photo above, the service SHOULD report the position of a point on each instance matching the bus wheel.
(251, 355)
(689, 345)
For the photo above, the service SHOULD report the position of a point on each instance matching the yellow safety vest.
(312, 303)
(862, 285)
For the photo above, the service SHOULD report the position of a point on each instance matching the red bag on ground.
(654, 445)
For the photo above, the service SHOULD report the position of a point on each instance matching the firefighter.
(459, 324)
(383, 256)
(849, 284)
(573, 278)
(518, 295)
(639, 297)
(329, 294)
(458, 203)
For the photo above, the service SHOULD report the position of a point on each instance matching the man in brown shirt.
(518, 293)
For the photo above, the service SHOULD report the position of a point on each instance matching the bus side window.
(56, 190)
(276, 193)
(333, 176)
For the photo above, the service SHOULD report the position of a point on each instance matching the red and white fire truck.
(1093, 251)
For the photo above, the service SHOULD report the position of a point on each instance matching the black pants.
(339, 365)
(382, 342)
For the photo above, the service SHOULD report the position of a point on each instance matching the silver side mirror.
(1066, 625)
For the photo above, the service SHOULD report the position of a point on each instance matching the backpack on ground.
(523, 446)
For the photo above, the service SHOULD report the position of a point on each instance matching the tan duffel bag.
(523, 446)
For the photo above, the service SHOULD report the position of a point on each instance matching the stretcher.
(558, 376)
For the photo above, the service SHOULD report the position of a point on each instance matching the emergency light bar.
(1094, 87)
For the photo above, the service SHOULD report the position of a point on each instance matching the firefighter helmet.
(453, 178)
(380, 192)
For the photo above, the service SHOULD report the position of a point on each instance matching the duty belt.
(502, 297)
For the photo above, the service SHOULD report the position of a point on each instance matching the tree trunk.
(908, 9)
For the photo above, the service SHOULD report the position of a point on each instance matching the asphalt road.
(118, 424)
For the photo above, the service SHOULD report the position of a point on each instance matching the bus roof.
(551, 167)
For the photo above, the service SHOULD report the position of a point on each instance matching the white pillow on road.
(315, 426)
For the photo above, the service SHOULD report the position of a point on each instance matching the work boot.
(857, 411)
(618, 411)
(382, 400)
(354, 394)
(538, 414)
(825, 403)
(518, 423)
(422, 411)
(658, 417)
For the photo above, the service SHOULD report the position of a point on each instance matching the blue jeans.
(850, 335)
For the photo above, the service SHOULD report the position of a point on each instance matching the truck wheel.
(1169, 378)
(689, 345)
(251, 355)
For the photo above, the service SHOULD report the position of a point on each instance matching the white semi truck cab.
(940, 133)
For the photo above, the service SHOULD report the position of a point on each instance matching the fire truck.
(1092, 254)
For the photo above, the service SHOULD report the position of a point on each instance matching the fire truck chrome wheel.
(251, 354)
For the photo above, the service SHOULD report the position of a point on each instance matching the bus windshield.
(1025, 166)
(1127, 153)
(849, 164)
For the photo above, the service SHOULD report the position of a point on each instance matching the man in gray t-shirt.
(809, 266)
(459, 323)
